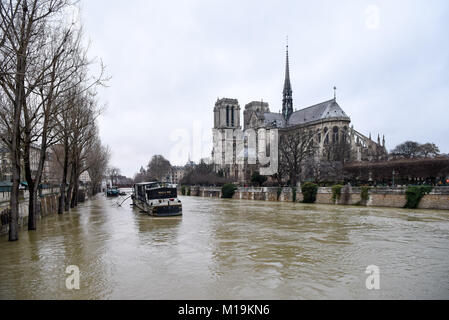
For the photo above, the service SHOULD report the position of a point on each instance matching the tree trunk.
(31, 200)
(61, 199)
(32, 211)
(68, 198)
(14, 203)
(69, 192)
(15, 155)
(293, 181)
(15, 145)
(31, 184)
(62, 196)
(74, 200)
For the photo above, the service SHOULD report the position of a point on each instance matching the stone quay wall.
(47, 205)
(438, 199)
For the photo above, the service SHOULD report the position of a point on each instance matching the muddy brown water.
(230, 249)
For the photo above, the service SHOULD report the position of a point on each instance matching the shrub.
(258, 179)
(183, 190)
(365, 193)
(294, 194)
(336, 192)
(188, 191)
(414, 195)
(279, 193)
(309, 191)
(228, 191)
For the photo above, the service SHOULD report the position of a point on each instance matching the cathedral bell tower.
(226, 130)
(287, 102)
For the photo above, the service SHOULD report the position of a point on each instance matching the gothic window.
(318, 136)
(345, 134)
(268, 145)
(335, 135)
(232, 120)
(227, 116)
(326, 136)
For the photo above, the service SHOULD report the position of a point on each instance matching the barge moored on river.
(158, 199)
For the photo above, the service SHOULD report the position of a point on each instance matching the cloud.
(170, 60)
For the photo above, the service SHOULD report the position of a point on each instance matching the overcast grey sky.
(171, 60)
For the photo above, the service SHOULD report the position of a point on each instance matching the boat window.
(162, 193)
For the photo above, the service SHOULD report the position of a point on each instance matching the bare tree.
(113, 174)
(429, 150)
(97, 162)
(83, 132)
(77, 130)
(158, 168)
(60, 57)
(141, 176)
(408, 150)
(203, 174)
(295, 147)
(414, 150)
(330, 166)
(76, 127)
(21, 26)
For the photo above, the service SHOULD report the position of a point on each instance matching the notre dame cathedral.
(327, 120)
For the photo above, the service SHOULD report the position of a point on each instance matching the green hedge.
(183, 190)
(365, 193)
(309, 191)
(414, 195)
(279, 193)
(294, 194)
(228, 191)
(336, 192)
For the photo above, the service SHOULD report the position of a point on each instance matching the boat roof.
(148, 183)
(145, 183)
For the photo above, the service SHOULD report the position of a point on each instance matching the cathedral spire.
(287, 102)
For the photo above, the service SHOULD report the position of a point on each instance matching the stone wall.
(47, 205)
(378, 197)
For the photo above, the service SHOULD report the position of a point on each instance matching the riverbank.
(47, 205)
(438, 199)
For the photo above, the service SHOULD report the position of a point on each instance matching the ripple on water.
(223, 249)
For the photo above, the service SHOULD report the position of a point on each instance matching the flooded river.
(227, 249)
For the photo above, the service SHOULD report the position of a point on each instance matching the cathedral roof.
(325, 110)
(274, 119)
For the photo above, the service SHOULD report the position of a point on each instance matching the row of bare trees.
(402, 171)
(300, 159)
(415, 150)
(47, 97)
(204, 175)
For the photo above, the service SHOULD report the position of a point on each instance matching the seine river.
(227, 249)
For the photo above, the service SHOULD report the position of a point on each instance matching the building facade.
(35, 150)
(327, 120)
(176, 174)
